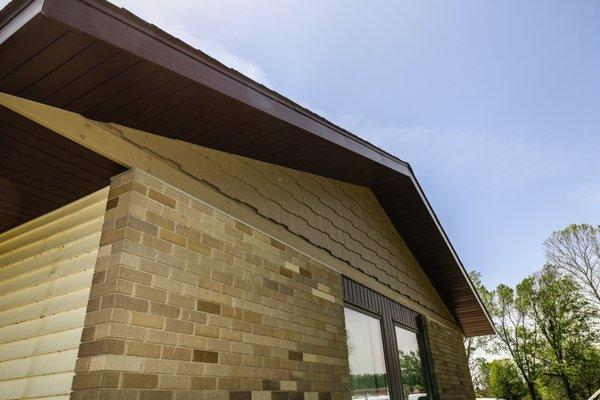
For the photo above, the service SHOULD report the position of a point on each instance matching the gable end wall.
(343, 219)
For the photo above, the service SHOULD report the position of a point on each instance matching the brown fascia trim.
(121, 28)
(451, 248)
(16, 14)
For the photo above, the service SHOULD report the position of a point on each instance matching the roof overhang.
(93, 58)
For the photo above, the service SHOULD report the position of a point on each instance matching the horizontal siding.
(42, 344)
(57, 270)
(45, 364)
(37, 386)
(69, 301)
(46, 290)
(43, 325)
(55, 256)
(46, 268)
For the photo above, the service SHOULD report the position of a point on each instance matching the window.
(386, 347)
(368, 375)
(411, 364)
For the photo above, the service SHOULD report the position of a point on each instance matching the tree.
(412, 372)
(476, 345)
(564, 319)
(481, 377)
(575, 250)
(482, 343)
(505, 380)
(589, 370)
(517, 333)
(549, 327)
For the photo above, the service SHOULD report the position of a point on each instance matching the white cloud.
(485, 158)
(151, 12)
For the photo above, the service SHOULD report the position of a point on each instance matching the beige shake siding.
(345, 220)
(46, 268)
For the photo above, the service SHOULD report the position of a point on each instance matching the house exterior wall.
(188, 302)
(449, 367)
(343, 219)
(144, 298)
(46, 268)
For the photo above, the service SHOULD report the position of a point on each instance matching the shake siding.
(345, 220)
(46, 268)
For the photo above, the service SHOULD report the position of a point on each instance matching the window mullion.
(391, 355)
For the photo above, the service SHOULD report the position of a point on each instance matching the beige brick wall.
(186, 302)
(343, 219)
(450, 368)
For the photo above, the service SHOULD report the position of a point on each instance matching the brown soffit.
(67, 53)
(41, 171)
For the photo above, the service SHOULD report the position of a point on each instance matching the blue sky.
(496, 104)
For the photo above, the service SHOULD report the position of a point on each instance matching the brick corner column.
(112, 348)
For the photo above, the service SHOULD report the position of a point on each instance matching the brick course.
(450, 368)
(189, 303)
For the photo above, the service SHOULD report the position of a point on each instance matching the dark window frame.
(380, 319)
(423, 355)
(391, 314)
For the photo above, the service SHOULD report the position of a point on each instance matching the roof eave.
(163, 49)
(206, 71)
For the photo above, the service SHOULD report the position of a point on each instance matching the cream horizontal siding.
(46, 268)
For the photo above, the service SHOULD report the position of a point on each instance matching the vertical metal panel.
(370, 300)
(391, 314)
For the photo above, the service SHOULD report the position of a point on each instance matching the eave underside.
(41, 171)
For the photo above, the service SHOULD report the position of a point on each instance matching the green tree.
(564, 318)
(517, 333)
(475, 343)
(506, 381)
(589, 370)
(412, 371)
(481, 377)
(369, 383)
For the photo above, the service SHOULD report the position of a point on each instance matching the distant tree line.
(369, 382)
(548, 326)
(413, 380)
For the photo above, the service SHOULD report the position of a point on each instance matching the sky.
(495, 104)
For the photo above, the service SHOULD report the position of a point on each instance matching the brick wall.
(343, 219)
(188, 303)
(450, 367)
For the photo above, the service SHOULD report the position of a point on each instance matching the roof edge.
(451, 248)
(16, 14)
(197, 66)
